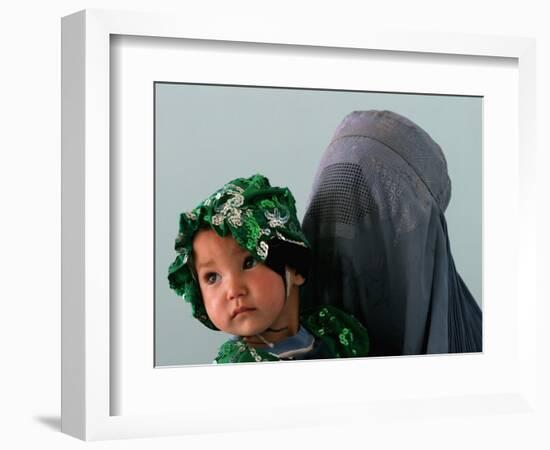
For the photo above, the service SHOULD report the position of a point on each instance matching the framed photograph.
(159, 113)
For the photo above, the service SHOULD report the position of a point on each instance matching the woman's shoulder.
(346, 336)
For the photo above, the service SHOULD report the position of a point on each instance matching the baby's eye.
(249, 262)
(211, 277)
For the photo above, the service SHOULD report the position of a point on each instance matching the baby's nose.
(236, 287)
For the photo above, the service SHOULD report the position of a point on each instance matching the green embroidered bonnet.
(261, 218)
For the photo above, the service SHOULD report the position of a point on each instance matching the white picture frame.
(89, 386)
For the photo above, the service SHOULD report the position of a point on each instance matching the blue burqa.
(381, 252)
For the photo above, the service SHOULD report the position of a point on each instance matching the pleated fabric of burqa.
(376, 224)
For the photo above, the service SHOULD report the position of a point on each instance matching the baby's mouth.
(240, 310)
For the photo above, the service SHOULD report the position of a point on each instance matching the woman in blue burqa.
(376, 224)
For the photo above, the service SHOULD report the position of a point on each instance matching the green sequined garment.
(341, 336)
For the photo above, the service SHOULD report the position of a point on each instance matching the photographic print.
(300, 224)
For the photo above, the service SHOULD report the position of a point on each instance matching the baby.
(242, 259)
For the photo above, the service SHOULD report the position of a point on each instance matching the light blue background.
(208, 135)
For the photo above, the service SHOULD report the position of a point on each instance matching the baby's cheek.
(209, 305)
(216, 311)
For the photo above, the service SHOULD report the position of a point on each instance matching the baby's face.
(241, 296)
